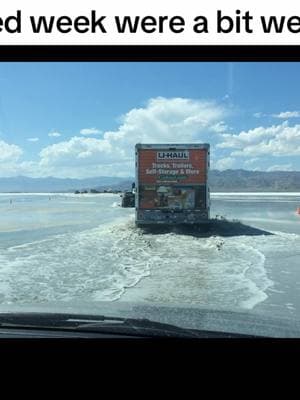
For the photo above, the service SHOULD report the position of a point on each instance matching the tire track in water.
(214, 272)
(96, 264)
(118, 261)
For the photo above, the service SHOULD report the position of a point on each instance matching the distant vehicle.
(171, 184)
(94, 191)
(128, 199)
(81, 192)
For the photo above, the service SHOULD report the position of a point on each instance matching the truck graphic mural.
(171, 183)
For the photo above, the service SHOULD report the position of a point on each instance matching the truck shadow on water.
(215, 227)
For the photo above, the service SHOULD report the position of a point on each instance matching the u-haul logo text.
(173, 155)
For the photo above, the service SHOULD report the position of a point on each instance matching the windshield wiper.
(93, 324)
(131, 327)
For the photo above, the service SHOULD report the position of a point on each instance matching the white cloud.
(90, 131)
(282, 167)
(258, 115)
(251, 161)
(160, 121)
(9, 152)
(219, 127)
(78, 151)
(224, 163)
(251, 137)
(167, 121)
(276, 140)
(10, 159)
(54, 134)
(15, 168)
(33, 139)
(287, 114)
(281, 115)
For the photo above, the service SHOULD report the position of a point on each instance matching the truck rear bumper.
(158, 217)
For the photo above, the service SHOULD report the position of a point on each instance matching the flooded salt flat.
(86, 248)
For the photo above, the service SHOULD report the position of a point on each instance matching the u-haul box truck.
(171, 184)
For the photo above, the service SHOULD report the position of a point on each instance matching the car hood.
(248, 323)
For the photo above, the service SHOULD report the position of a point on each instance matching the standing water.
(65, 247)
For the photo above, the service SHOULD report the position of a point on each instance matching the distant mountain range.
(56, 185)
(248, 181)
(219, 181)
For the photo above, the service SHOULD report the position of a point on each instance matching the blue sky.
(83, 119)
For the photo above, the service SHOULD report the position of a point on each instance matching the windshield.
(86, 217)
